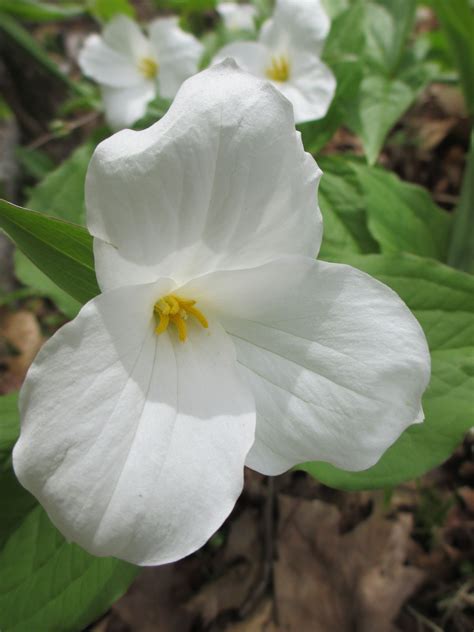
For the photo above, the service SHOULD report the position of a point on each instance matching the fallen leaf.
(20, 341)
(241, 566)
(327, 581)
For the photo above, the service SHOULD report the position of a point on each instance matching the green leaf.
(35, 162)
(316, 134)
(380, 103)
(442, 299)
(346, 38)
(60, 194)
(457, 21)
(388, 25)
(47, 584)
(461, 248)
(402, 216)
(9, 423)
(343, 206)
(61, 250)
(41, 11)
(104, 10)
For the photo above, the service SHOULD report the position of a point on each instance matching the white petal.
(252, 57)
(106, 65)
(222, 181)
(124, 106)
(300, 24)
(310, 89)
(237, 17)
(134, 443)
(125, 36)
(178, 54)
(336, 361)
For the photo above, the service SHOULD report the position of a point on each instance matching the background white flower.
(287, 53)
(237, 16)
(132, 68)
(138, 416)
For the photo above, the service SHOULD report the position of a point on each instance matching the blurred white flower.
(237, 17)
(218, 340)
(287, 53)
(132, 68)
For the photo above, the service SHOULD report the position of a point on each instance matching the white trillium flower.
(237, 17)
(132, 68)
(218, 340)
(287, 53)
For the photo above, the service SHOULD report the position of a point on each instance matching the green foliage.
(60, 194)
(379, 75)
(343, 206)
(61, 250)
(36, 11)
(461, 249)
(402, 216)
(49, 584)
(9, 424)
(105, 10)
(457, 21)
(368, 210)
(442, 300)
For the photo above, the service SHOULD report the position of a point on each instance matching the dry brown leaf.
(327, 581)
(242, 567)
(20, 341)
(154, 601)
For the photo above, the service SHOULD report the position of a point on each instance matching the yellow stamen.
(148, 67)
(175, 310)
(279, 69)
(198, 315)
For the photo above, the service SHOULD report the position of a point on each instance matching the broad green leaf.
(15, 504)
(335, 7)
(41, 11)
(60, 194)
(61, 250)
(442, 299)
(457, 21)
(388, 25)
(104, 10)
(48, 585)
(380, 103)
(343, 206)
(9, 423)
(402, 216)
(461, 248)
(346, 38)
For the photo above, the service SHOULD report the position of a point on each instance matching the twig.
(422, 619)
(68, 128)
(266, 579)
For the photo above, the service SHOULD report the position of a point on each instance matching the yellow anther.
(162, 324)
(180, 325)
(199, 316)
(148, 67)
(279, 69)
(173, 303)
(176, 310)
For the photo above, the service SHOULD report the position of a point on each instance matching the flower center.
(279, 68)
(148, 67)
(176, 310)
